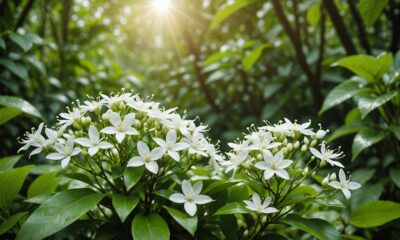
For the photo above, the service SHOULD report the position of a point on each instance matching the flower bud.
(76, 124)
(246, 233)
(264, 219)
(313, 143)
(304, 148)
(259, 157)
(306, 141)
(285, 151)
(105, 117)
(322, 164)
(137, 123)
(122, 105)
(84, 153)
(114, 153)
(285, 142)
(305, 171)
(296, 145)
(332, 177)
(289, 147)
(325, 181)
(320, 134)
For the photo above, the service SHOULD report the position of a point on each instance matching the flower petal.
(115, 118)
(93, 150)
(93, 134)
(109, 130)
(84, 142)
(202, 199)
(157, 153)
(282, 173)
(152, 167)
(177, 198)
(55, 156)
(65, 162)
(171, 136)
(186, 187)
(190, 208)
(135, 162)
(197, 187)
(120, 137)
(353, 185)
(268, 173)
(142, 148)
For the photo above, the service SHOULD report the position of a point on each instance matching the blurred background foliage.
(232, 63)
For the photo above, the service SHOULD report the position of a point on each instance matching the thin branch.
(362, 34)
(340, 27)
(300, 57)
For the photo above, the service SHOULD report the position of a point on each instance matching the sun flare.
(162, 6)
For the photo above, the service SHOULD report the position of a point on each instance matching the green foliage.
(229, 9)
(8, 162)
(45, 183)
(124, 205)
(375, 213)
(57, 212)
(11, 183)
(149, 227)
(187, 222)
(371, 9)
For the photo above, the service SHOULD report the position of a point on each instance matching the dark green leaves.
(150, 227)
(229, 9)
(365, 139)
(45, 183)
(10, 184)
(10, 222)
(59, 211)
(22, 41)
(375, 213)
(367, 67)
(16, 68)
(367, 104)
(187, 222)
(19, 104)
(232, 208)
(371, 9)
(132, 176)
(319, 228)
(124, 205)
(342, 92)
(8, 162)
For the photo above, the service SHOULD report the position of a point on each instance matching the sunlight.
(162, 6)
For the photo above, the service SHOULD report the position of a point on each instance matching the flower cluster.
(138, 132)
(282, 157)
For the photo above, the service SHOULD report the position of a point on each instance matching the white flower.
(94, 142)
(259, 207)
(178, 123)
(170, 145)
(70, 117)
(327, 155)
(274, 165)
(263, 142)
(92, 106)
(302, 128)
(241, 146)
(213, 153)
(235, 160)
(160, 115)
(146, 158)
(190, 197)
(197, 144)
(64, 152)
(344, 184)
(140, 105)
(115, 100)
(121, 128)
(32, 139)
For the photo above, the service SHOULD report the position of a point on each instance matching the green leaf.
(342, 92)
(11, 182)
(367, 104)
(8, 162)
(232, 208)
(21, 40)
(7, 114)
(10, 222)
(21, 104)
(396, 131)
(314, 14)
(187, 222)
(124, 205)
(46, 183)
(367, 193)
(250, 59)
(394, 174)
(371, 9)
(58, 212)
(150, 227)
(2, 43)
(16, 68)
(132, 176)
(373, 214)
(319, 228)
(37, 64)
(79, 177)
(367, 67)
(228, 9)
(365, 139)
(362, 175)
(216, 57)
(347, 130)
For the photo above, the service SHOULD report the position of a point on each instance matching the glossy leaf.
(45, 183)
(341, 93)
(365, 139)
(79, 177)
(10, 222)
(124, 205)
(7, 114)
(370, 10)
(187, 222)
(367, 67)
(21, 104)
(347, 130)
(8, 162)
(228, 9)
(16, 68)
(232, 208)
(21, 40)
(132, 176)
(394, 174)
(367, 104)
(375, 213)
(58, 212)
(314, 14)
(11, 182)
(250, 59)
(150, 227)
(319, 228)
(216, 57)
